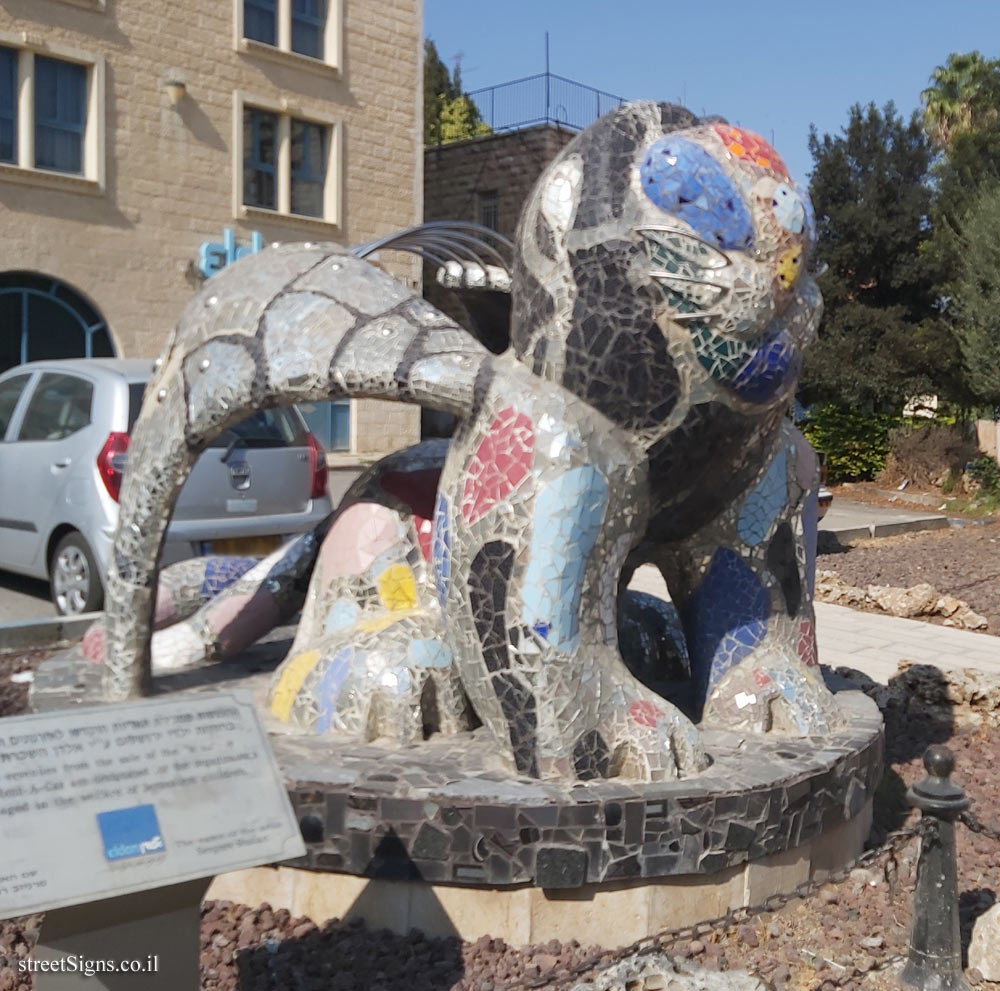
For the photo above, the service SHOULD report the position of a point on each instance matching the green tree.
(962, 114)
(878, 344)
(964, 97)
(449, 113)
(975, 303)
(962, 117)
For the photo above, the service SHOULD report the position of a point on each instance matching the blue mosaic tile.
(771, 366)
(343, 613)
(726, 617)
(221, 572)
(429, 654)
(682, 179)
(329, 687)
(788, 208)
(441, 549)
(765, 502)
(568, 515)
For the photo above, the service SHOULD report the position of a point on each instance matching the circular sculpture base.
(447, 812)
(439, 836)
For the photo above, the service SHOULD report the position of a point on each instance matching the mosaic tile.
(726, 618)
(764, 503)
(661, 300)
(685, 181)
(501, 462)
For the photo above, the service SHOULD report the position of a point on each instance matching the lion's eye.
(789, 209)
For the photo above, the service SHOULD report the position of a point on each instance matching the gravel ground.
(843, 938)
(963, 561)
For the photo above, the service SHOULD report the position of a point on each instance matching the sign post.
(114, 819)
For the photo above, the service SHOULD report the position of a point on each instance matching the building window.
(287, 164)
(60, 115)
(330, 422)
(51, 115)
(308, 27)
(260, 158)
(308, 168)
(8, 105)
(42, 318)
(489, 209)
(292, 27)
(260, 21)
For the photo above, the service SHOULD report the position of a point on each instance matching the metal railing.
(544, 98)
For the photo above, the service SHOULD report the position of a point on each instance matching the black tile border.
(452, 819)
(446, 811)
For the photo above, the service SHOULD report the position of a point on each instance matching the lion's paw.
(637, 735)
(397, 682)
(769, 693)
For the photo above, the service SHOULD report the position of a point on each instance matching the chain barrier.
(666, 938)
(662, 941)
(975, 826)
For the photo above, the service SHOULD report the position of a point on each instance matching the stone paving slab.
(858, 520)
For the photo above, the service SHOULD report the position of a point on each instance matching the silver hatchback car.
(64, 434)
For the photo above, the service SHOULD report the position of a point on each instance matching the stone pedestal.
(440, 836)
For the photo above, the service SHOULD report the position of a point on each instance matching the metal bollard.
(935, 958)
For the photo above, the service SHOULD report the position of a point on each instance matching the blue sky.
(771, 68)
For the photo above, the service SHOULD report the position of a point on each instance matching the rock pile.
(962, 697)
(657, 972)
(909, 603)
(984, 947)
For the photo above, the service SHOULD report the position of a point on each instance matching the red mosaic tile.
(501, 462)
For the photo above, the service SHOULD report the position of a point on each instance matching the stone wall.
(986, 436)
(458, 174)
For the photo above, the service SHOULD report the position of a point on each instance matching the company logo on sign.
(133, 832)
(214, 257)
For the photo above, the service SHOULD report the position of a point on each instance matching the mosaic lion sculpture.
(661, 303)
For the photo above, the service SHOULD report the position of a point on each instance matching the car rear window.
(278, 427)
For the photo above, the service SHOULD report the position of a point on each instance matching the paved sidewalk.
(875, 644)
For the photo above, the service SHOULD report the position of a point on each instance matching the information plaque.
(103, 801)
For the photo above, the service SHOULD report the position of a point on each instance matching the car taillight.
(317, 467)
(111, 463)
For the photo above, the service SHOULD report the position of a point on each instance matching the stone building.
(485, 180)
(144, 145)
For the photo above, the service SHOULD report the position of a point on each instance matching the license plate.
(246, 546)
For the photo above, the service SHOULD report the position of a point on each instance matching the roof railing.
(544, 98)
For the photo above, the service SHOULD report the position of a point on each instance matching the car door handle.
(62, 463)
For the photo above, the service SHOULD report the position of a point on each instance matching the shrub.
(927, 453)
(986, 471)
(855, 444)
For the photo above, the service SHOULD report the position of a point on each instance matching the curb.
(888, 529)
(914, 499)
(40, 634)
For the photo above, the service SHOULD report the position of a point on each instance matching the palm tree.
(965, 96)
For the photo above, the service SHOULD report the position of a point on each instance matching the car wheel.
(74, 578)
